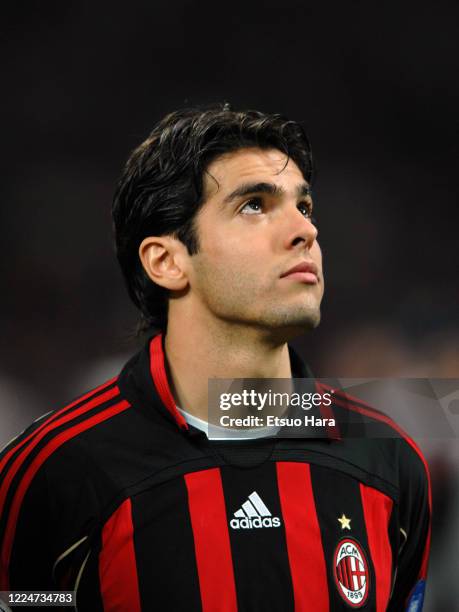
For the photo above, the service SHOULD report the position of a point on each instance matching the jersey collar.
(158, 373)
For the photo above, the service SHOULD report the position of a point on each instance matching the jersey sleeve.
(26, 534)
(47, 508)
(52, 491)
(415, 527)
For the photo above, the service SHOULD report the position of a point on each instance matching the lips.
(306, 271)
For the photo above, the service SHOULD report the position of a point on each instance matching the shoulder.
(50, 434)
(51, 491)
(386, 435)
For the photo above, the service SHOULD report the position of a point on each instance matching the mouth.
(305, 272)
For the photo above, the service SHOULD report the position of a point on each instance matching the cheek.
(230, 265)
(224, 247)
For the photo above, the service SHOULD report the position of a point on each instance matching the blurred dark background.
(376, 85)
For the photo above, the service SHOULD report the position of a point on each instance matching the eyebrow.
(246, 189)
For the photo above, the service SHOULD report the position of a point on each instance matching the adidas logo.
(253, 514)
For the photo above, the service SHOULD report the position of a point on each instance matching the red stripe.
(117, 563)
(51, 418)
(350, 579)
(347, 564)
(344, 570)
(304, 540)
(211, 541)
(425, 557)
(343, 576)
(340, 572)
(158, 373)
(33, 468)
(377, 509)
(347, 573)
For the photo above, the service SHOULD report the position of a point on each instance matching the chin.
(287, 325)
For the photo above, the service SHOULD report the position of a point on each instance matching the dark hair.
(161, 188)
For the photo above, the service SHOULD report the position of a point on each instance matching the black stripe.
(336, 494)
(38, 448)
(260, 560)
(164, 549)
(31, 559)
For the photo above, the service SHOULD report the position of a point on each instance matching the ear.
(163, 259)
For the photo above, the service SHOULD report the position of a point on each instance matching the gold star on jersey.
(345, 522)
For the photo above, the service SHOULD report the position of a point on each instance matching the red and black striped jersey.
(117, 497)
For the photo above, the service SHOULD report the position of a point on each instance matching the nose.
(300, 230)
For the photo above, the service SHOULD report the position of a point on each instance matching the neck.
(221, 350)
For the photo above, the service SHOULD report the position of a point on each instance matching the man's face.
(253, 228)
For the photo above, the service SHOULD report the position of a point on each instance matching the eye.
(254, 206)
(305, 209)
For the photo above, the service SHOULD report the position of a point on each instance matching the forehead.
(247, 165)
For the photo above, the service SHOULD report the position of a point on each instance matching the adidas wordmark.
(253, 514)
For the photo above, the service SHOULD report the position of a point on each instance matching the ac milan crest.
(352, 573)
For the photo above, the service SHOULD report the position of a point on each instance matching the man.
(122, 497)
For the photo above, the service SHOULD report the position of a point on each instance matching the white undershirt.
(226, 432)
